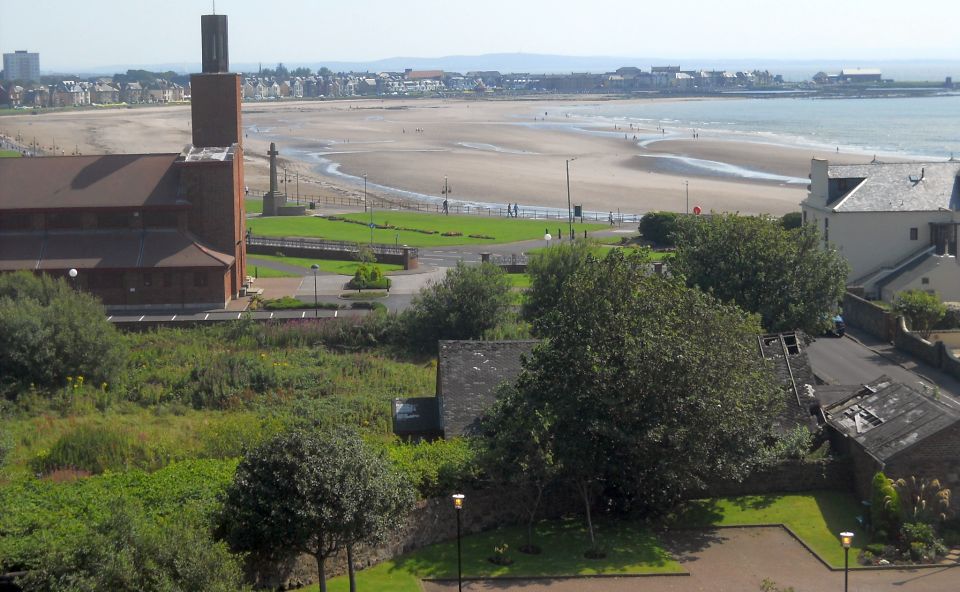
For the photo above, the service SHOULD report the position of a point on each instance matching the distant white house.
(895, 223)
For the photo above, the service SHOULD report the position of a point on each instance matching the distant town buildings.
(21, 65)
(850, 76)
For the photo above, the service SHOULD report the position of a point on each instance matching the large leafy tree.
(468, 302)
(785, 276)
(646, 387)
(549, 270)
(314, 493)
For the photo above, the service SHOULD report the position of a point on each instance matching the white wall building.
(896, 224)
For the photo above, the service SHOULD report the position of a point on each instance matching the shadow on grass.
(755, 502)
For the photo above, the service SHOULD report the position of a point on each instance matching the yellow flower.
(69, 379)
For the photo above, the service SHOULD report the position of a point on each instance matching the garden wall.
(791, 477)
(865, 315)
(917, 347)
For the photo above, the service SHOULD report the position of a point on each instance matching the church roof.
(104, 181)
(120, 249)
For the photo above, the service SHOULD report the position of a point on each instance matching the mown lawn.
(328, 265)
(253, 206)
(9, 154)
(262, 271)
(631, 549)
(817, 517)
(503, 230)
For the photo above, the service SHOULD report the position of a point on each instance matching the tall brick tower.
(212, 173)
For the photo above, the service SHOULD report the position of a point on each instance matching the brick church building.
(141, 230)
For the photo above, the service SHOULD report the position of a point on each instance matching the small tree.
(469, 301)
(884, 508)
(922, 310)
(791, 220)
(314, 493)
(518, 450)
(549, 270)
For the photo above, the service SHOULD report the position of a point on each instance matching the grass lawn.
(9, 154)
(630, 550)
(253, 206)
(329, 265)
(503, 230)
(817, 517)
(519, 280)
(262, 271)
(600, 251)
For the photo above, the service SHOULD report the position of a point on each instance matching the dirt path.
(737, 560)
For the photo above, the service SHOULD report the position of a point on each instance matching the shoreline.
(492, 152)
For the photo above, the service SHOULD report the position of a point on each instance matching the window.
(199, 279)
(914, 234)
(925, 281)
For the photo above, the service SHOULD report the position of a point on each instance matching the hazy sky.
(77, 34)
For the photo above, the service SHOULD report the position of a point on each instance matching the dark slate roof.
(896, 187)
(106, 181)
(827, 395)
(791, 366)
(416, 416)
(468, 375)
(889, 418)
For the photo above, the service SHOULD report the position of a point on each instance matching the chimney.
(819, 181)
(215, 93)
(213, 32)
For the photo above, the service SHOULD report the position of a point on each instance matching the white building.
(896, 224)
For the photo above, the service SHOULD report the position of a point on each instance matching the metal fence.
(316, 244)
(381, 203)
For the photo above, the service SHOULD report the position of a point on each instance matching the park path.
(735, 560)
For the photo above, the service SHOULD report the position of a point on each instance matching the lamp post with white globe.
(73, 277)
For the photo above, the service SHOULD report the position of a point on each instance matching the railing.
(326, 245)
(381, 203)
(511, 259)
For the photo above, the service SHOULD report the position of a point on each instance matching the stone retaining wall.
(865, 315)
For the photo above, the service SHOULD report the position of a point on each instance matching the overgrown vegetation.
(922, 310)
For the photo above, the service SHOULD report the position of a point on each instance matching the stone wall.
(916, 346)
(793, 476)
(933, 458)
(867, 316)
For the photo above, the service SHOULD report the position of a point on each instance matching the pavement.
(735, 560)
(858, 358)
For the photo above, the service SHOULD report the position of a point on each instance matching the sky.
(73, 35)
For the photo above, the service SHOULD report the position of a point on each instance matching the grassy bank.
(413, 229)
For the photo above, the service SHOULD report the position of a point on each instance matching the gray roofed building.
(468, 374)
(791, 366)
(899, 187)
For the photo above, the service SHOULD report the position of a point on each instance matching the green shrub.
(368, 277)
(436, 468)
(791, 220)
(49, 331)
(884, 508)
(877, 549)
(794, 445)
(918, 532)
(659, 227)
(234, 434)
(96, 449)
(291, 303)
(922, 310)
(228, 380)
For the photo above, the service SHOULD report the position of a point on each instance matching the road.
(859, 358)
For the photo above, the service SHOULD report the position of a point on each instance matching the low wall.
(403, 258)
(869, 317)
(792, 477)
(917, 347)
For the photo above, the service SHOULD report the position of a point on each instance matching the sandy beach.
(491, 151)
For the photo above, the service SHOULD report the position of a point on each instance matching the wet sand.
(491, 151)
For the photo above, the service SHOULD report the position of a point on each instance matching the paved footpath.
(736, 560)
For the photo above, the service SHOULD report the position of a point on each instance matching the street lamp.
(846, 539)
(73, 277)
(547, 237)
(569, 209)
(458, 505)
(316, 313)
(686, 184)
(371, 206)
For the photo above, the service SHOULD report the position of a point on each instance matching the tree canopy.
(314, 493)
(785, 276)
(922, 310)
(469, 301)
(549, 270)
(647, 388)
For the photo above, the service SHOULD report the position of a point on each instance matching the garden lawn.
(9, 154)
(262, 271)
(328, 265)
(519, 280)
(817, 518)
(253, 206)
(503, 230)
(631, 550)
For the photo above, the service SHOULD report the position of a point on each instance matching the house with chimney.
(894, 223)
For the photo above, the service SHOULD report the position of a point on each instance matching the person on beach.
(516, 210)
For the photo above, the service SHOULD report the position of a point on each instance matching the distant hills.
(793, 70)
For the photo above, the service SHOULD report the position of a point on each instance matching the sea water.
(911, 127)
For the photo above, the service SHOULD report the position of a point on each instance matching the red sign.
(697, 210)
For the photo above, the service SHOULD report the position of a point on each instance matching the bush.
(97, 449)
(436, 468)
(794, 445)
(791, 220)
(369, 277)
(922, 310)
(659, 227)
(225, 381)
(884, 508)
(48, 332)
(291, 303)
(468, 302)
(549, 270)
